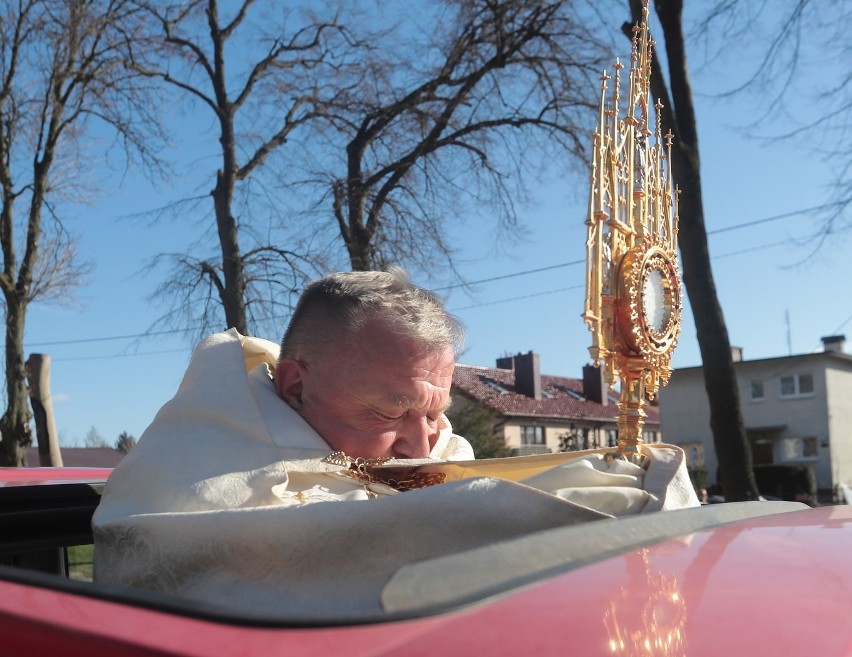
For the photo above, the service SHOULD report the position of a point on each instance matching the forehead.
(377, 341)
(380, 360)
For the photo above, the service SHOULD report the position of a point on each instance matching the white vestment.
(218, 501)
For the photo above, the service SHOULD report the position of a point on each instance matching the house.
(540, 413)
(81, 457)
(796, 409)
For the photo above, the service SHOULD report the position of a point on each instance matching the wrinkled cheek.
(379, 446)
(366, 445)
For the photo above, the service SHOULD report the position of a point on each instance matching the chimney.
(506, 363)
(594, 388)
(736, 354)
(527, 375)
(835, 343)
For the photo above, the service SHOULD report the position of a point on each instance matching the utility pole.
(38, 378)
(789, 338)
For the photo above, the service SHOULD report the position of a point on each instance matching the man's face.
(380, 396)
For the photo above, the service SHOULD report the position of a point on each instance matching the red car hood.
(42, 476)
(773, 585)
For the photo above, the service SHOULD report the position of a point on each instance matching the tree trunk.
(15, 423)
(232, 290)
(720, 380)
(357, 236)
(358, 246)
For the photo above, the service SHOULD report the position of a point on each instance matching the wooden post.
(38, 377)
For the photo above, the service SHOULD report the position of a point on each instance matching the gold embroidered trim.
(365, 472)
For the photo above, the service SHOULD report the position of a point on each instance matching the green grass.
(80, 562)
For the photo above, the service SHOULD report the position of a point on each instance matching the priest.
(296, 481)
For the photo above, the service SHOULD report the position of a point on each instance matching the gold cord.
(365, 471)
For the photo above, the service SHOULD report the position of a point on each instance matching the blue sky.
(776, 296)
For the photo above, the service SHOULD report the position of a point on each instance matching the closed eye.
(390, 418)
(430, 417)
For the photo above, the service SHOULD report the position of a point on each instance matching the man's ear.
(288, 382)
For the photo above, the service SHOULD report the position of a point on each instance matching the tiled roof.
(484, 384)
(77, 457)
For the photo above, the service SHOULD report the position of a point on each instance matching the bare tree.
(60, 73)
(456, 117)
(678, 115)
(382, 125)
(801, 84)
(94, 439)
(261, 82)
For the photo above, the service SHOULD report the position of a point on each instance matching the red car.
(758, 578)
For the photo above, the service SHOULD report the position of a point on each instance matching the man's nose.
(416, 438)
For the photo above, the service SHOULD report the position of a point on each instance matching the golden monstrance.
(633, 291)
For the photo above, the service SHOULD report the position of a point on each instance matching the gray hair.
(340, 304)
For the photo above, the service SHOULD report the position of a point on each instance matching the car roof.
(746, 578)
(768, 585)
(46, 476)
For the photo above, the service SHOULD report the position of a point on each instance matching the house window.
(809, 447)
(797, 385)
(576, 438)
(650, 437)
(756, 390)
(612, 437)
(571, 393)
(493, 384)
(532, 435)
(798, 449)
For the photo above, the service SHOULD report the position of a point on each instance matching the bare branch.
(502, 66)
(801, 37)
(61, 63)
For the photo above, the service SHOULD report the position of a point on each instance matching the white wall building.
(796, 409)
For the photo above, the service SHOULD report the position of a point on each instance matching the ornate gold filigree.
(367, 471)
(631, 245)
